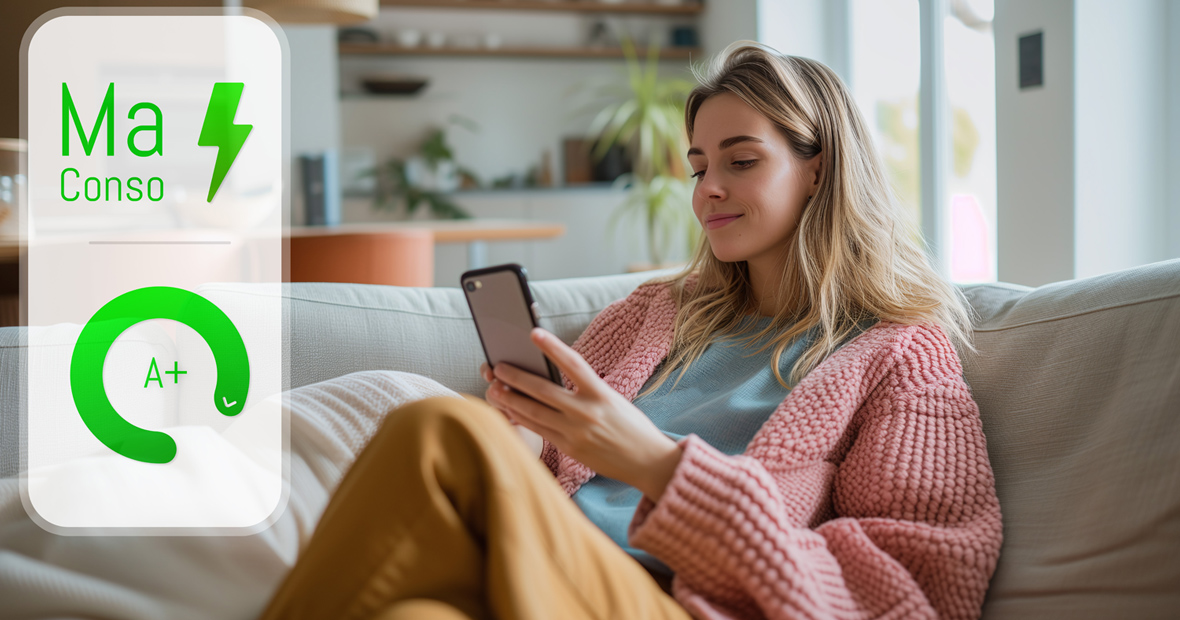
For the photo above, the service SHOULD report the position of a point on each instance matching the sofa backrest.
(342, 328)
(1078, 384)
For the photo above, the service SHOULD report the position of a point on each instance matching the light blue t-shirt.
(724, 397)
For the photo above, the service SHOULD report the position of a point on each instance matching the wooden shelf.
(10, 251)
(689, 7)
(387, 49)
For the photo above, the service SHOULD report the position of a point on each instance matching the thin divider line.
(160, 242)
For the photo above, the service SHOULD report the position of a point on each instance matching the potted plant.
(646, 117)
(425, 178)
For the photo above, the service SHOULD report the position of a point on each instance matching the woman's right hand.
(531, 439)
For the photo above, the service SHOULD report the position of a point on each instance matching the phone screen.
(503, 310)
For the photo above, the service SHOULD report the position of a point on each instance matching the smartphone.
(505, 313)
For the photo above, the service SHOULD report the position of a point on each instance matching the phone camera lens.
(470, 287)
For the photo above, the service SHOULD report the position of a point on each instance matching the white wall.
(727, 21)
(523, 106)
(795, 27)
(1035, 146)
(315, 101)
(1088, 164)
(1172, 206)
(1120, 121)
(815, 29)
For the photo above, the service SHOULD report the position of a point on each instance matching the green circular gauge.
(114, 318)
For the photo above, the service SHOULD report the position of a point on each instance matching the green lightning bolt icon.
(219, 130)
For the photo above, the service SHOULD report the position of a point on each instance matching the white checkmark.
(227, 403)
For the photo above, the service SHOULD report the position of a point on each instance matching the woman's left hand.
(595, 425)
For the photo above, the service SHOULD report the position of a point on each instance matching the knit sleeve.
(916, 531)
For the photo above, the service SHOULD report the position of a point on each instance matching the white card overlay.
(155, 213)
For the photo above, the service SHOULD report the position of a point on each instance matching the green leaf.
(619, 129)
(434, 149)
(464, 122)
(645, 115)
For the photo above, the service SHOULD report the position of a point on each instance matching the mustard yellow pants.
(446, 515)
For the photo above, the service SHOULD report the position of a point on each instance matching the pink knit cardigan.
(868, 493)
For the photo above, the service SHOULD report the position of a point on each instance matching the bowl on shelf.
(467, 41)
(393, 84)
(408, 37)
(357, 35)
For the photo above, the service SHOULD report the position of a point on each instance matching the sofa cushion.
(1078, 384)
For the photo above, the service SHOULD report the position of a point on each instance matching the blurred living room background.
(429, 137)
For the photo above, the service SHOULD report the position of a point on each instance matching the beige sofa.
(1078, 383)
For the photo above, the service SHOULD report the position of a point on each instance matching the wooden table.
(400, 253)
(474, 232)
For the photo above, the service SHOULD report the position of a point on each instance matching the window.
(969, 57)
(886, 78)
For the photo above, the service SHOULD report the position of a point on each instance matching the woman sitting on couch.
(780, 430)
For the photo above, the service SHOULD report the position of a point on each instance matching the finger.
(540, 425)
(495, 392)
(492, 396)
(568, 360)
(499, 394)
(486, 372)
(539, 388)
(525, 408)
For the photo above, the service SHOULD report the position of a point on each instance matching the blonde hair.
(854, 256)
